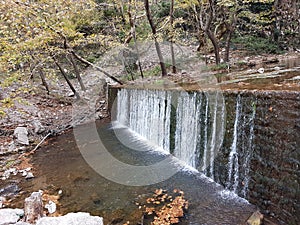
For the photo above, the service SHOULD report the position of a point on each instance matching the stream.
(60, 166)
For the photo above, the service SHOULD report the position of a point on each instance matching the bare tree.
(132, 21)
(66, 77)
(154, 33)
(206, 17)
(172, 36)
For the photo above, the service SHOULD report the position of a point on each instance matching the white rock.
(70, 94)
(276, 68)
(79, 218)
(24, 173)
(10, 216)
(2, 200)
(21, 134)
(261, 70)
(51, 207)
(29, 175)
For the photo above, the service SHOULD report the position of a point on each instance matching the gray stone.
(21, 134)
(10, 216)
(38, 127)
(33, 207)
(79, 218)
(22, 223)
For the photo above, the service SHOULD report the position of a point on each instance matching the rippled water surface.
(59, 165)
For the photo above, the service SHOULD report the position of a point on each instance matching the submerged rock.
(10, 216)
(79, 218)
(21, 134)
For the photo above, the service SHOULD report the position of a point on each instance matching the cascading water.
(191, 126)
(249, 153)
(233, 163)
(242, 146)
(186, 135)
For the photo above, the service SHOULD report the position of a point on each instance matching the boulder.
(10, 216)
(79, 218)
(21, 134)
(33, 207)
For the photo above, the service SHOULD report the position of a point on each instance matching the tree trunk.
(44, 82)
(66, 78)
(227, 47)
(171, 39)
(215, 44)
(157, 46)
(133, 34)
(77, 73)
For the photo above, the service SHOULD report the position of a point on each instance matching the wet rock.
(255, 219)
(71, 218)
(21, 134)
(9, 190)
(33, 207)
(10, 216)
(38, 127)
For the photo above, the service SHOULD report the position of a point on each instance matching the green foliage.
(7, 102)
(221, 66)
(257, 45)
(155, 71)
(2, 113)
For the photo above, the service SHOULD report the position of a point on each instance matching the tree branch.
(96, 67)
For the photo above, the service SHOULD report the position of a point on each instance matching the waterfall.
(249, 152)
(191, 126)
(146, 113)
(186, 135)
(233, 164)
(242, 146)
(204, 158)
